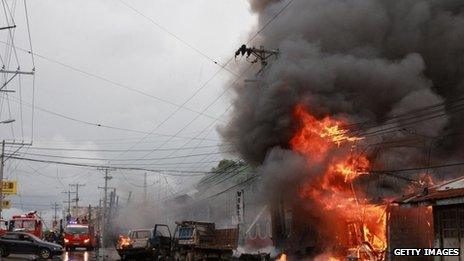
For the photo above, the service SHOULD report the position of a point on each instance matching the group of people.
(78, 220)
(53, 236)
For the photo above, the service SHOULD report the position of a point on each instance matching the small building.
(447, 203)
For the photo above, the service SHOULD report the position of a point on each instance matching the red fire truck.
(3, 227)
(79, 235)
(29, 223)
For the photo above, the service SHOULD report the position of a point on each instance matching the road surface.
(78, 255)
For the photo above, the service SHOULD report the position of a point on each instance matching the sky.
(144, 69)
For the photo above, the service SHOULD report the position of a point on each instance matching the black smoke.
(356, 59)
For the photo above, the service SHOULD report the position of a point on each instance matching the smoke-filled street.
(287, 130)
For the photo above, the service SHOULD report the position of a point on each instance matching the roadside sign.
(10, 187)
(6, 204)
(239, 207)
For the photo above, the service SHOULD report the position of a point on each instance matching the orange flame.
(123, 242)
(283, 257)
(323, 142)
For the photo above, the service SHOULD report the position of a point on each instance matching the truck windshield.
(141, 234)
(29, 224)
(77, 230)
(185, 233)
(25, 224)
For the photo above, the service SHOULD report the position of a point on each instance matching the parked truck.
(191, 241)
(194, 240)
(135, 244)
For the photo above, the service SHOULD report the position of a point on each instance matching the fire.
(358, 222)
(123, 242)
(283, 257)
(316, 137)
(424, 181)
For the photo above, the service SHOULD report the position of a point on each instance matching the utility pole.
(260, 55)
(55, 217)
(2, 161)
(145, 188)
(76, 199)
(68, 201)
(129, 198)
(105, 208)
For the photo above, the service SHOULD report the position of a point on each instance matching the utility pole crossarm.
(7, 27)
(261, 55)
(16, 72)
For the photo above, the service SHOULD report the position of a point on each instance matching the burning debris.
(123, 242)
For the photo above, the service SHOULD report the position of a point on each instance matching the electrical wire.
(106, 159)
(88, 122)
(170, 171)
(104, 79)
(184, 42)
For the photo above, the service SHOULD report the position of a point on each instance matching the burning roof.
(450, 192)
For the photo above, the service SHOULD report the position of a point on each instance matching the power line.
(204, 109)
(104, 159)
(88, 122)
(419, 168)
(119, 150)
(164, 29)
(426, 111)
(210, 79)
(96, 76)
(170, 172)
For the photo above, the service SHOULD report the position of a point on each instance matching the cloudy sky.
(143, 70)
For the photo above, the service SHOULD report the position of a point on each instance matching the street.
(78, 255)
(232, 130)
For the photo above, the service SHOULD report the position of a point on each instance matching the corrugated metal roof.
(450, 189)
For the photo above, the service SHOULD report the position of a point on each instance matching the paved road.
(78, 255)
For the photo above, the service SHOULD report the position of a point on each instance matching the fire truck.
(3, 227)
(29, 223)
(79, 235)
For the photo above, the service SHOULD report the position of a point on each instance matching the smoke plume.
(357, 59)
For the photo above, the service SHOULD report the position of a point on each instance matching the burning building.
(364, 98)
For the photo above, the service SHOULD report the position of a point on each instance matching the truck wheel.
(3, 252)
(45, 253)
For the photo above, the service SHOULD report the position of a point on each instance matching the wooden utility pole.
(145, 188)
(2, 162)
(55, 216)
(104, 222)
(76, 199)
(68, 201)
(129, 198)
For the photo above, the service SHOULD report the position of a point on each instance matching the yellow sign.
(10, 187)
(6, 204)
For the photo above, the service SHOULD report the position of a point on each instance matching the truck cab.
(29, 223)
(79, 235)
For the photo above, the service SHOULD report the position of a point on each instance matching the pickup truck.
(134, 244)
(155, 242)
